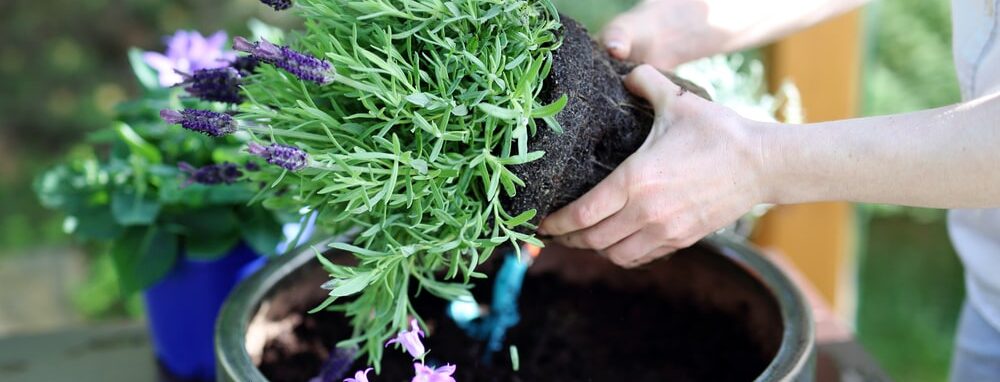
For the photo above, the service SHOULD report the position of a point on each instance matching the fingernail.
(615, 45)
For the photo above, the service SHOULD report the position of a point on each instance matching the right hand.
(662, 33)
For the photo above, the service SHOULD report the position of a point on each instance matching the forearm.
(741, 24)
(941, 158)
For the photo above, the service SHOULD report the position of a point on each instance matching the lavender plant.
(400, 119)
(146, 191)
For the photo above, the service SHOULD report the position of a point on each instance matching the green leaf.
(498, 112)
(354, 249)
(524, 217)
(210, 221)
(347, 287)
(206, 248)
(138, 145)
(95, 223)
(146, 75)
(143, 256)
(130, 207)
(260, 229)
(551, 109)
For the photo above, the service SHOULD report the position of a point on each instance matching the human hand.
(662, 33)
(698, 171)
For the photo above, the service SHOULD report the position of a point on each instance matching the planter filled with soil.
(718, 311)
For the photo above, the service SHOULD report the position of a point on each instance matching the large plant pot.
(183, 307)
(720, 274)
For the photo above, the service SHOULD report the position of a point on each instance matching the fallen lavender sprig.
(301, 65)
(338, 364)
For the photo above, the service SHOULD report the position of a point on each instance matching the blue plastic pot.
(182, 308)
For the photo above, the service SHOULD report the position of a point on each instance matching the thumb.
(617, 38)
(648, 83)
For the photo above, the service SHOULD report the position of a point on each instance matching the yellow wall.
(824, 62)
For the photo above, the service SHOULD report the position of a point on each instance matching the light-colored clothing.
(975, 233)
(977, 349)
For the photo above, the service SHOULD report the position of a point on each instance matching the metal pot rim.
(794, 357)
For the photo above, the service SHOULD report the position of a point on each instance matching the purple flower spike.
(427, 374)
(302, 65)
(278, 5)
(225, 173)
(207, 122)
(410, 339)
(246, 65)
(288, 157)
(360, 376)
(220, 85)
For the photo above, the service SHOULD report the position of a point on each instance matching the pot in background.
(182, 308)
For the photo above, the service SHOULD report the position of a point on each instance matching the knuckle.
(583, 215)
(591, 240)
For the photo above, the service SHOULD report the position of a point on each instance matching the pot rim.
(795, 353)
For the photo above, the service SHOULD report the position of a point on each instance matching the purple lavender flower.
(219, 84)
(288, 157)
(302, 65)
(360, 376)
(427, 374)
(207, 122)
(188, 51)
(246, 65)
(278, 5)
(225, 173)
(410, 339)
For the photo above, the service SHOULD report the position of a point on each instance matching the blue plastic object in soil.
(182, 308)
(503, 310)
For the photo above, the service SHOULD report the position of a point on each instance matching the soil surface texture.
(603, 124)
(574, 327)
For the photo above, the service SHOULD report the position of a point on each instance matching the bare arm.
(941, 158)
(665, 33)
(703, 166)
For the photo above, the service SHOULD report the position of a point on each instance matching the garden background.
(63, 67)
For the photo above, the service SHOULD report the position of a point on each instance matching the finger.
(654, 255)
(604, 200)
(617, 38)
(608, 232)
(635, 247)
(648, 83)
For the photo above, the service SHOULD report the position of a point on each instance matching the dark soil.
(624, 325)
(603, 124)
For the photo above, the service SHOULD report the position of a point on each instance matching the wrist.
(770, 162)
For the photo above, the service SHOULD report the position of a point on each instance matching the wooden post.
(820, 239)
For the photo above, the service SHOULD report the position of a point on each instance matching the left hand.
(698, 171)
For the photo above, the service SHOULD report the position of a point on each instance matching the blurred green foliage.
(63, 66)
(909, 62)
